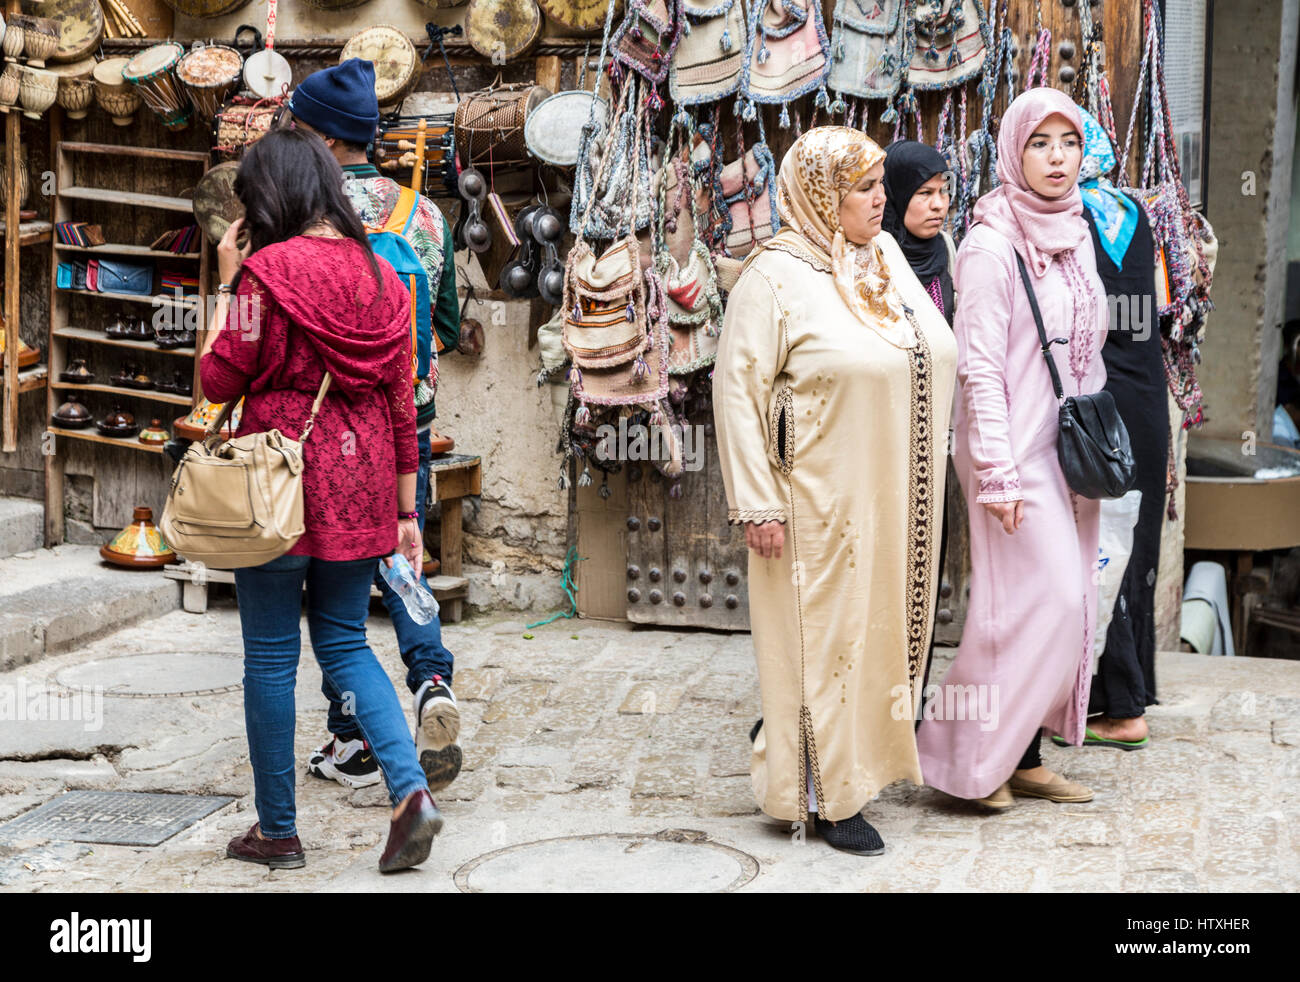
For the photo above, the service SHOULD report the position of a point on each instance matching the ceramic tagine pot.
(118, 423)
(72, 415)
(140, 545)
(154, 434)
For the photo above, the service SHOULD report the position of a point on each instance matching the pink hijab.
(1039, 228)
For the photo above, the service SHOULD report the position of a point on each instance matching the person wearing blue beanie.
(339, 102)
(339, 105)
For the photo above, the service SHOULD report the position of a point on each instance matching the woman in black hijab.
(916, 206)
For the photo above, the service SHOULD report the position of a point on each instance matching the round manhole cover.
(672, 861)
(157, 674)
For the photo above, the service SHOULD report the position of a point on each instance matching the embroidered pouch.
(604, 310)
(747, 191)
(948, 46)
(867, 48)
(648, 36)
(709, 57)
(788, 53)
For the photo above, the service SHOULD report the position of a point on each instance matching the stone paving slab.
(629, 730)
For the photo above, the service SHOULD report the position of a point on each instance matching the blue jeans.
(420, 644)
(338, 602)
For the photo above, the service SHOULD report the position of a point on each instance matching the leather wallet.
(115, 276)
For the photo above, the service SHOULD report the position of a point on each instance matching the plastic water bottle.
(401, 576)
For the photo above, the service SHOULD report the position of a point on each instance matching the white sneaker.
(350, 762)
(437, 727)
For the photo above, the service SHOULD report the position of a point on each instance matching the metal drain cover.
(122, 818)
(673, 861)
(157, 674)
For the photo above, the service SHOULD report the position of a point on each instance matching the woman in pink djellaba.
(1028, 634)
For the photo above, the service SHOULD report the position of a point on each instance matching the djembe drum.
(153, 73)
(209, 74)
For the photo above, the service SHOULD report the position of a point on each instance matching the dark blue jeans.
(420, 644)
(338, 602)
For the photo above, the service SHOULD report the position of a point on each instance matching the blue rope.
(570, 589)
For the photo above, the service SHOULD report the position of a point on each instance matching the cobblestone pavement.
(591, 729)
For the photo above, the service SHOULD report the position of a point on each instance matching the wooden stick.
(417, 172)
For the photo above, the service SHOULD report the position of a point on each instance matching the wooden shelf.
(31, 379)
(99, 337)
(29, 233)
(126, 150)
(133, 199)
(153, 300)
(153, 395)
(128, 250)
(116, 441)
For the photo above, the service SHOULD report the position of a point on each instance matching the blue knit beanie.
(339, 101)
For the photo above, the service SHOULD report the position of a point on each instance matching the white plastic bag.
(1114, 546)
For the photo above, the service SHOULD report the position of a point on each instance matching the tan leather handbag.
(238, 503)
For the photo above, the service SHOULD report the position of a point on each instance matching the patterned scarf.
(817, 173)
(1116, 213)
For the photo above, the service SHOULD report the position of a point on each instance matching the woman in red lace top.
(307, 296)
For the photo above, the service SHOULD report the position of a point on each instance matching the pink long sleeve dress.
(1028, 630)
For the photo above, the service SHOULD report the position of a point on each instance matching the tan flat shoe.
(1057, 789)
(999, 799)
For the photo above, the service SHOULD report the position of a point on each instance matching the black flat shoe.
(753, 733)
(853, 835)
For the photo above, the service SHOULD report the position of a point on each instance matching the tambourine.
(397, 64)
(553, 131)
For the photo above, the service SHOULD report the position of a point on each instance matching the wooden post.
(548, 72)
(13, 286)
(12, 309)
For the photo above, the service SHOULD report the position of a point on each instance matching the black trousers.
(1032, 756)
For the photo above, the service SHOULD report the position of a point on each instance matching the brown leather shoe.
(275, 853)
(1057, 789)
(410, 837)
(999, 799)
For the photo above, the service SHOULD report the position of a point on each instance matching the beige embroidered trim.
(738, 516)
(922, 515)
(783, 408)
(800, 254)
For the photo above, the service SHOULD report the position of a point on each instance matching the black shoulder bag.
(1092, 443)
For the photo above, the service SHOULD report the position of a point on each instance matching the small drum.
(81, 25)
(502, 30)
(209, 74)
(76, 87)
(115, 95)
(242, 122)
(553, 132)
(153, 73)
(397, 65)
(490, 125)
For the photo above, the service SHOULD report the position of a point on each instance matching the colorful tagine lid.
(193, 426)
(154, 433)
(140, 545)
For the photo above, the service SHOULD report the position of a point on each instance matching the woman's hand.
(1009, 513)
(765, 539)
(410, 543)
(229, 256)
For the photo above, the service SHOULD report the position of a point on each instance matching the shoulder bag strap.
(315, 407)
(1042, 334)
